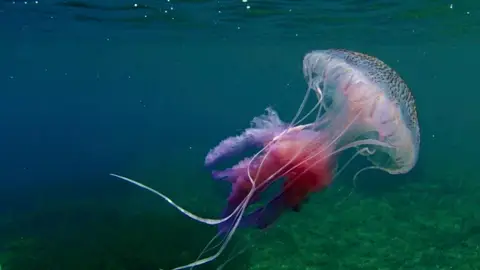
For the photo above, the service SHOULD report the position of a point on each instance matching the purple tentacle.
(232, 174)
(264, 128)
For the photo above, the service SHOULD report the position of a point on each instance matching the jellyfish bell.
(376, 101)
(360, 103)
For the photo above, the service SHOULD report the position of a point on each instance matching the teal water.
(145, 89)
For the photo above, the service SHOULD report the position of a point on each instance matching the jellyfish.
(360, 103)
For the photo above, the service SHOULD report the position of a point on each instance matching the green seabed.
(420, 224)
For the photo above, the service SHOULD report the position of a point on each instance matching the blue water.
(145, 89)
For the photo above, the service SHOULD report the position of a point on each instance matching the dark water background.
(145, 89)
